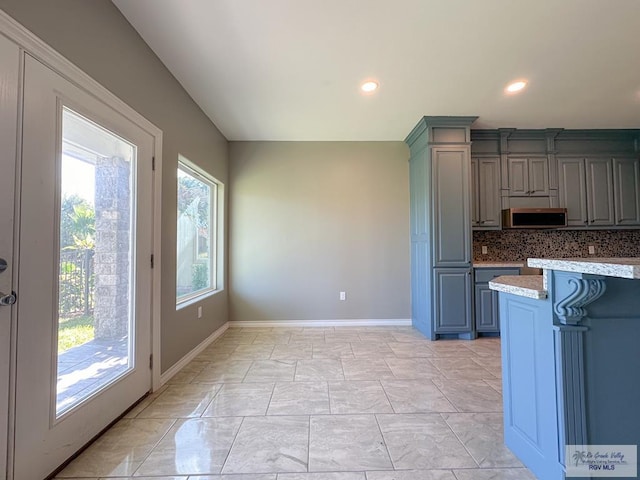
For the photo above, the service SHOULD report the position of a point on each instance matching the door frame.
(30, 43)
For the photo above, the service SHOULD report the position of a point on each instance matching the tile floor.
(378, 403)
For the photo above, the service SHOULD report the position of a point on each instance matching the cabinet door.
(573, 190)
(451, 206)
(599, 191)
(486, 309)
(452, 305)
(475, 193)
(539, 177)
(518, 177)
(626, 186)
(489, 192)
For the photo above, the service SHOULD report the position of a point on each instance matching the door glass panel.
(95, 314)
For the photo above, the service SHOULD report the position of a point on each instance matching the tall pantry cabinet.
(441, 243)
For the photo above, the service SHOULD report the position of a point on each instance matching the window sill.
(191, 301)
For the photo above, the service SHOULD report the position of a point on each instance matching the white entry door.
(84, 305)
(9, 64)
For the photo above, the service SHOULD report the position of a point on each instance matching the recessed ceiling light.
(516, 86)
(369, 86)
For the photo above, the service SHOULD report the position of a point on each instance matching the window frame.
(215, 232)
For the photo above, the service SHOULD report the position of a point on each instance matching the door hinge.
(153, 163)
(151, 362)
(152, 260)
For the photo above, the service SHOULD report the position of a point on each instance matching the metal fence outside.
(76, 281)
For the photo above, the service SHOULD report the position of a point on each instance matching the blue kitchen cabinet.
(440, 217)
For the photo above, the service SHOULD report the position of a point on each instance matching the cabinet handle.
(586, 221)
(481, 222)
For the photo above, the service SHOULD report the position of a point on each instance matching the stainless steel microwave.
(534, 218)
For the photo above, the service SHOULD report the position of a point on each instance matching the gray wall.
(308, 220)
(98, 39)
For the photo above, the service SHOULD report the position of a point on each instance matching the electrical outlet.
(484, 250)
(343, 295)
(199, 312)
(592, 250)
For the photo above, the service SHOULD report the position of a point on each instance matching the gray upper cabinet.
(528, 176)
(485, 193)
(573, 190)
(599, 191)
(451, 206)
(626, 187)
(586, 191)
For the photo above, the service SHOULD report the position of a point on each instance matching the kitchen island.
(570, 359)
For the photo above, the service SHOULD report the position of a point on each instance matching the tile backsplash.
(515, 245)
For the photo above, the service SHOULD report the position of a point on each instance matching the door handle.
(8, 300)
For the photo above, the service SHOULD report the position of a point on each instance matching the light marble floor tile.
(120, 451)
(451, 348)
(240, 399)
(224, 372)
(273, 338)
(416, 396)
(270, 444)
(255, 329)
(412, 368)
(299, 398)
(319, 369)
(376, 337)
(455, 363)
(377, 350)
(466, 373)
(410, 350)
(193, 446)
(188, 372)
(172, 477)
(248, 476)
(145, 402)
(366, 369)
(412, 475)
(252, 352)
(332, 350)
(481, 434)
(271, 371)
(346, 443)
(292, 351)
(493, 362)
(422, 441)
(495, 474)
(181, 401)
(342, 337)
(314, 338)
(409, 337)
(470, 395)
(496, 384)
(216, 347)
(323, 476)
(358, 397)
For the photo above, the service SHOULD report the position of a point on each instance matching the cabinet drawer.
(483, 275)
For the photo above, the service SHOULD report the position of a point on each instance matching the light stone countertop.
(499, 264)
(530, 286)
(610, 267)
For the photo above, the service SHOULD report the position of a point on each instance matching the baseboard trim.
(378, 322)
(180, 364)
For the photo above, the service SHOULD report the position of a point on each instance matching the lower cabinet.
(486, 300)
(452, 305)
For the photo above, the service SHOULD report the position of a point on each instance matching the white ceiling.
(290, 69)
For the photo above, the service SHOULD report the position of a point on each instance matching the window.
(197, 232)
